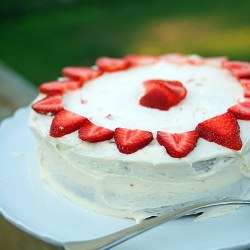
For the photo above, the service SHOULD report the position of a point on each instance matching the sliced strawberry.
(178, 145)
(129, 141)
(157, 99)
(91, 133)
(81, 73)
(59, 87)
(242, 73)
(175, 86)
(245, 83)
(239, 69)
(222, 129)
(161, 94)
(48, 105)
(65, 122)
(112, 64)
(139, 60)
(241, 110)
(174, 58)
(231, 65)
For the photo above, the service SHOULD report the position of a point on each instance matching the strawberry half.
(65, 122)
(239, 69)
(48, 105)
(139, 60)
(81, 73)
(222, 129)
(91, 133)
(241, 110)
(175, 86)
(112, 64)
(59, 87)
(245, 83)
(178, 145)
(129, 141)
(161, 94)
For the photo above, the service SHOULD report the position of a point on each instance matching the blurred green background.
(38, 38)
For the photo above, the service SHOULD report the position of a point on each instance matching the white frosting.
(118, 95)
(100, 177)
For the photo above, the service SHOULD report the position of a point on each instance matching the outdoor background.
(39, 38)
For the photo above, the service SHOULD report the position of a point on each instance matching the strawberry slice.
(175, 86)
(158, 99)
(245, 83)
(241, 110)
(161, 94)
(91, 133)
(81, 73)
(139, 60)
(178, 145)
(129, 141)
(112, 64)
(48, 105)
(59, 87)
(222, 129)
(65, 122)
(239, 69)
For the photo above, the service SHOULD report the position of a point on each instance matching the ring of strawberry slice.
(160, 94)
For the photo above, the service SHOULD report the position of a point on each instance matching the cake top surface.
(140, 103)
(113, 100)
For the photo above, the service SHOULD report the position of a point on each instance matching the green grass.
(40, 42)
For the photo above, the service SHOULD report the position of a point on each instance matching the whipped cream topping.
(113, 100)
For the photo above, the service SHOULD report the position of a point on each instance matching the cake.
(140, 135)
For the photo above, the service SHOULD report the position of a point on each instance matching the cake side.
(133, 188)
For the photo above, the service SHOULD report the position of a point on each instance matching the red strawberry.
(112, 64)
(178, 145)
(91, 133)
(242, 73)
(81, 73)
(241, 110)
(59, 87)
(49, 105)
(231, 65)
(222, 129)
(245, 83)
(65, 122)
(239, 69)
(175, 86)
(139, 60)
(129, 141)
(158, 99)
(161, 94)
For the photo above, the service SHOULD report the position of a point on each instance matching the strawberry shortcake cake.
(136, 136)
